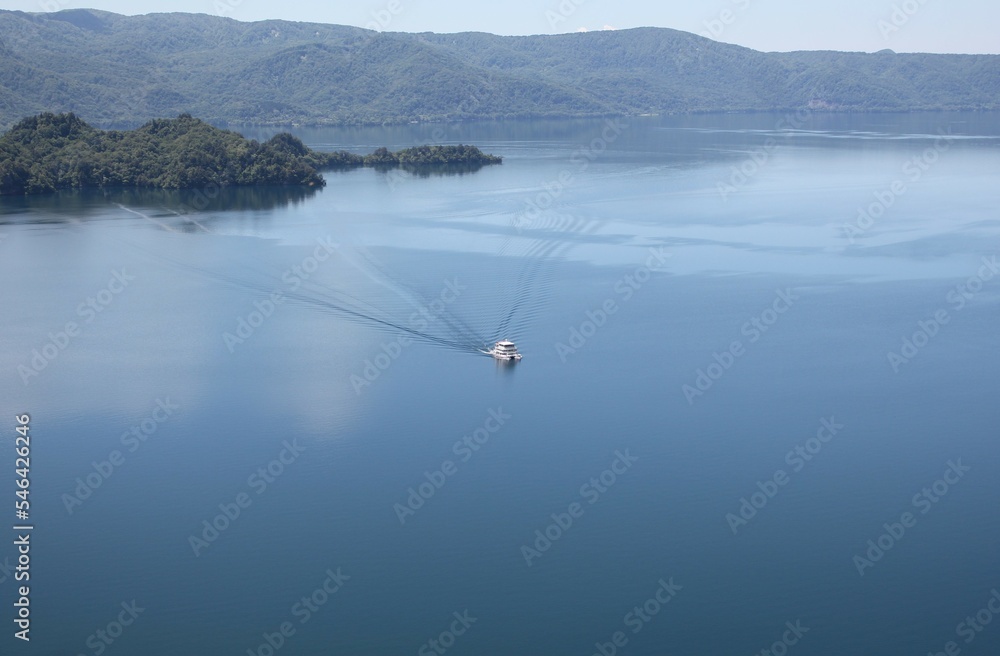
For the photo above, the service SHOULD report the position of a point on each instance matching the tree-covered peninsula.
(52, 152)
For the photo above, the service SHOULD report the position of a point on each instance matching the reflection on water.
(506, 367)
(428, 170)
(75, 205)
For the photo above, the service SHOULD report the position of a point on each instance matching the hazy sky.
(968, 26)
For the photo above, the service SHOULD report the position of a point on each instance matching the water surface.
(628, 260)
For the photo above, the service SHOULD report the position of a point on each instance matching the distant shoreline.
(284, 73)
(514, 119)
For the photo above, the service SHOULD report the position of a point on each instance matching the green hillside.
(112, 69)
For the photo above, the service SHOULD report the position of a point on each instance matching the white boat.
(504, 350)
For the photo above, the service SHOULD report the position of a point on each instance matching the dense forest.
(50, 152)
(117, 71)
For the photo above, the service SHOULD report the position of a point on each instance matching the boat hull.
(505, 351)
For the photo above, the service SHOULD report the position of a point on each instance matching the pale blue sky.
(967, 26)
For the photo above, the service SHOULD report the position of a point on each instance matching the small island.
(53, 152)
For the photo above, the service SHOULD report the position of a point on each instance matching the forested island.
(52, 152)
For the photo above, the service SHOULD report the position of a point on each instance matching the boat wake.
(428, 320)
(514, 287)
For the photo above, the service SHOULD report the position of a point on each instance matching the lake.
(756, 410)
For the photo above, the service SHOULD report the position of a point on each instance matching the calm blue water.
(750, 301)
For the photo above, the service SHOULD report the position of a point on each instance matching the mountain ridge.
(112, 69)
